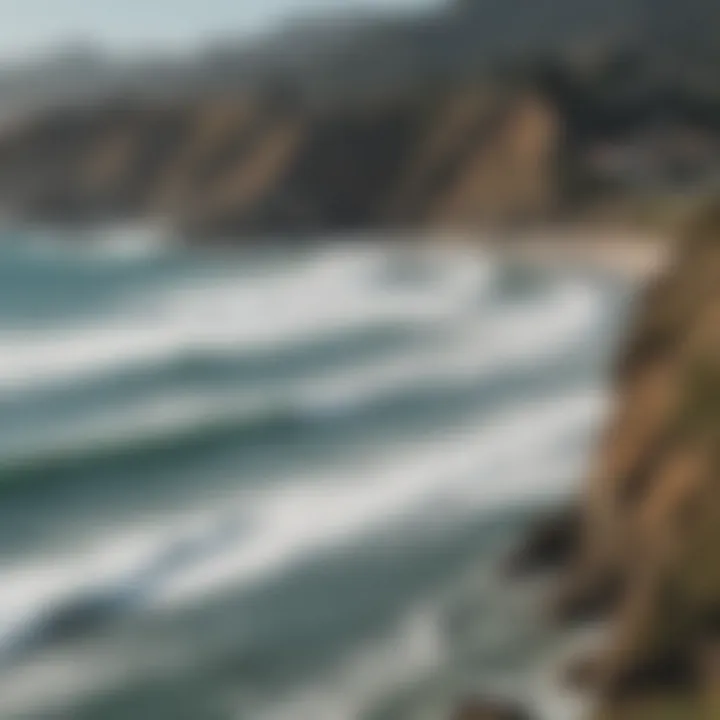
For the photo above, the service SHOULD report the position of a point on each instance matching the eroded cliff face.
(649, 549)
(264, 165)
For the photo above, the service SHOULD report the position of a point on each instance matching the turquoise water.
(277, 484)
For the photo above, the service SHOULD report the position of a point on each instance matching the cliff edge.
(645, 554)
(262, 164)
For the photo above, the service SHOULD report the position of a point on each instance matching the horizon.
(37, 27)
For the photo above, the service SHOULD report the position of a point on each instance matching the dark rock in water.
(550, 544)
(585, 599)
(648, 557)
(488, 709)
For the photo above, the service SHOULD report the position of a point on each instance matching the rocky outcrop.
(548, 544)
(647, 554)
(260, 164)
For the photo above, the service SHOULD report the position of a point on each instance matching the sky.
(31, 26)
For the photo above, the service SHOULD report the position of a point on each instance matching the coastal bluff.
(641, 551)
(261, 165)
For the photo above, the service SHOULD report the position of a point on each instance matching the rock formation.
(648, 552)
(259, 165)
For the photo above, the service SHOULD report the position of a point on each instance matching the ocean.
(276, 484)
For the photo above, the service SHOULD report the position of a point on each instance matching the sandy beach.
(626, 252)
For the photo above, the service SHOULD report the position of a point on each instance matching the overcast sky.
(27, 26)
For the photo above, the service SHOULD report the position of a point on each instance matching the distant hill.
(347, 57)
(320, 125)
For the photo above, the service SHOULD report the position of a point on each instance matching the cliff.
(259, 164)
(644, 555)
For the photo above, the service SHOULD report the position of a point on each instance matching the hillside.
(343, 57)
(480, 111)
(267, 165)
(644, 552)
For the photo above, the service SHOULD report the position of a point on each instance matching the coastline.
(627, 253)
(653, 488)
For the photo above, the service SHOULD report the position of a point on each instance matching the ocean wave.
(456, 472)
(411, 653)
(220, 446)
(262, 530)
(168, 426)
(107, 245)
(236, 316)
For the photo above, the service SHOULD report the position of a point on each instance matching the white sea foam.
(519, 338)
(236, 314)
(513, 339)
(507, 454)
(414, 649)
(487, 466)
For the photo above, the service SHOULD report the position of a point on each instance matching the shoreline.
(625, 253)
